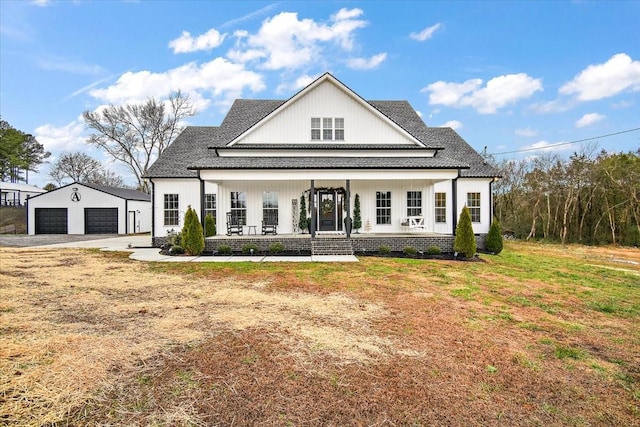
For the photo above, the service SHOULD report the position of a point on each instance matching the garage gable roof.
(123, 193)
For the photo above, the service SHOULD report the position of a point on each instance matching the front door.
(327, 211)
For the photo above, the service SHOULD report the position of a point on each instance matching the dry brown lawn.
(91, 338)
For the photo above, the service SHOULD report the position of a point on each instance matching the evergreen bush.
(192, 233)
(224, 250)
(276, 248)
(434, 250)
(494, 238)
(302, 220)
(250, 248)
(409, 250)
(384, 250)
(357, 216)
(210, 225)
(465, 242)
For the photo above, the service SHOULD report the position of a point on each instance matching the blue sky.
(509, 76)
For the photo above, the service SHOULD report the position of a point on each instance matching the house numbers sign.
(75, 195)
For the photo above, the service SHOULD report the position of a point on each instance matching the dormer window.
(332, 129)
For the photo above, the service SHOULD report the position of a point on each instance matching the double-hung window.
(383, 207)
(441, 207)
(171, 206)
(270, 206)
(473, 203)
(315, 128)
(339, 129)
(210, 205)
(239, 206)
(327, 128)
(414, 203)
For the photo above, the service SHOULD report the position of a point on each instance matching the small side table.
(251, 227)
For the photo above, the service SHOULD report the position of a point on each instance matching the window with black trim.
(383, 207)
(210, 205)
(239, 206)
(171, 209)
(414, 203)
(270, 205)
(473, 203)
(441, 207)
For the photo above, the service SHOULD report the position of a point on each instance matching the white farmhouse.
(325, 144)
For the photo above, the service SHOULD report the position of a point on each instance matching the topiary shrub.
(276, 248)
(302, 219)
(465, 242)
(434, 250)
(357, 217)
(409, 250)
(224, 250)
(384, 250)
(494, 238)
(192, 234)
(249, 248)
(209, 225)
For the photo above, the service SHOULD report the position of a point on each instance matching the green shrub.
(276, 248)
(465, 242)
(357, 216)
(173, 238)
(209, 225)
(410, 250)
(176, 250)
(192, 234)
(247, 249)
(434, 250)
(494, 238)
(384, 250)
(302, 219)
(224, 250)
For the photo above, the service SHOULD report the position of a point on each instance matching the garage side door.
(101, 221)
(51, 220)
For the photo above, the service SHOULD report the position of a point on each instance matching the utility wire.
(565, 143)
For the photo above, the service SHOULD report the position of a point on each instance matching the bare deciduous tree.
(136, 135)
(80, 167)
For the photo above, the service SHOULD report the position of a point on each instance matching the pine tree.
(357, 218)
(210, 225)
(192, 234)
(494, 238)
(465, 242)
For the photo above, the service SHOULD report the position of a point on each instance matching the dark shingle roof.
(190, 149)
(328, 163)
(123, 193)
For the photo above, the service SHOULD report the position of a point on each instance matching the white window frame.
(327, 129)
(474, 204)
(210, 204)
(316, 130)
(171, 209)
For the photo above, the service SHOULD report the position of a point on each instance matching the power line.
(565, 143)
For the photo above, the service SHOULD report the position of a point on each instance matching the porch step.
(331, 246)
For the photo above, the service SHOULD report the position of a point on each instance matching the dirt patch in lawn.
(91, 338)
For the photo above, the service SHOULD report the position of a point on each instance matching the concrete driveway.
(116, 242)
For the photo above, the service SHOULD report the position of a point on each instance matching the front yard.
(538, 335)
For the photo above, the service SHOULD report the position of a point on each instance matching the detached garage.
(89, 209)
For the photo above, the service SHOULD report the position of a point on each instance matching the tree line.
(20, 153)
(591, 198)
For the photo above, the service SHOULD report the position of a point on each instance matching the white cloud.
(41, 3)
(498, 92)
(366, 64)
(286, 42)
(425, 34)
(218, 78)
(526, 132)
(619, 74)
(57, 63)
(547, 146)
(207, 41)
(299, 83)
(64, 138)
(589, 119)
(453, 124)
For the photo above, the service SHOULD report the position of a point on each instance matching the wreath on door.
(327, 206)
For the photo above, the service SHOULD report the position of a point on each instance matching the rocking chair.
(270, 223)
(234, 224)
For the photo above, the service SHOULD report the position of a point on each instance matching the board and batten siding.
(143, 216)
(188, 191)
(89, 198)
(476, 185)
(293, 124)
